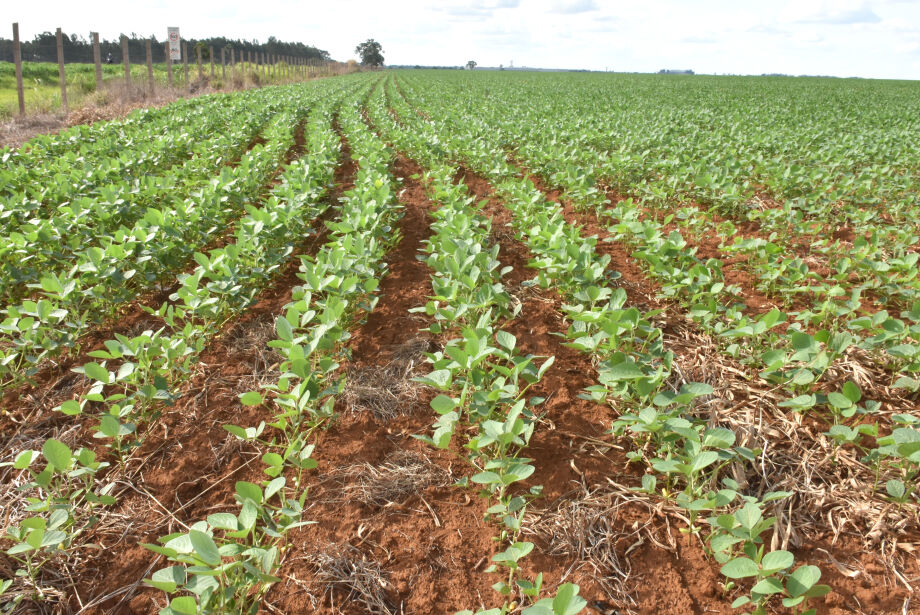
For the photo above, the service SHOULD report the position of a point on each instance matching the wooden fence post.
(223, 65)
(169, 77)
(61, 76)
(126, 59)
(188, 86)
(17, 60)
(211, 53)
(97, 60)
(232, 63)
(150, 66)
(198, 55)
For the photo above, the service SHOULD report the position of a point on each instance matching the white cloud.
(699, 40)
(572, 7)
(833, 12)
(875, 38)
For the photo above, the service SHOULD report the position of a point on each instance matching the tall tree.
(370, 54)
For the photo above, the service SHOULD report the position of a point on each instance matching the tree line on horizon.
(43, 48)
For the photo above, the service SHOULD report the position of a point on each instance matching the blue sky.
(864, 38)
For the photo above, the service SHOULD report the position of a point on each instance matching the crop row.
(136, 377)
(481, 373)
(85, 158)
(797, 359)
(228, 561)
(102, 280)
(867, 288)
(634, 368)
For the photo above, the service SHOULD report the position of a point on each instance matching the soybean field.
(478, 342)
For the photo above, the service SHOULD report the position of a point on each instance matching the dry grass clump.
(401, 475)
(49, 591)
(832, 488)
(248, 341)
(384, 391)
(588, 529)
(344, 576)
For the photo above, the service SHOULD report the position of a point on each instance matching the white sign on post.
(175, 52)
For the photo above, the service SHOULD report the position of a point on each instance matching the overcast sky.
(865, 38)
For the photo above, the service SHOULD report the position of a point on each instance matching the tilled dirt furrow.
(696, 575)
(188, 464)
(428, 545)
(27, 409)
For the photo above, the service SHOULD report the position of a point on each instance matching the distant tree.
(205, 51)
(471, 65)
(370, 52)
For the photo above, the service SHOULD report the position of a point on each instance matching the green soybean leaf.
(96, 372)
(71, 407)
(251, 398)
(895, 488)
(802, 579)
(168, 579)
(775, 561)
(184, 605)
(58, 454)
(770, 585)
(284, 329)
(704, 459)
(506, 340)
(439, 378)
(249, 491)
(442, 404)
(740, 568)
(205, 547)
(567, 600)
(223, 521)
(24, 459)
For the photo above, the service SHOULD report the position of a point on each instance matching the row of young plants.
(227, 562)
(797, 358)
(100, 282)
(877, 269)
(722, 141)
(671, 433)
(50, 241)
(51, 244)
(136, 378)
(482, 375)
(50, 169)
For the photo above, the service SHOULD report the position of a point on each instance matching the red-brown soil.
(432, 548)
(684, 579)
(188, 462)
(26, 407)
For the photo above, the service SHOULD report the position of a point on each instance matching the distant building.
(665, 71)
